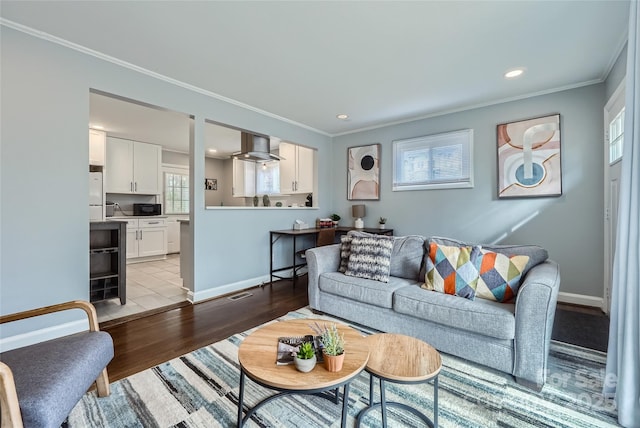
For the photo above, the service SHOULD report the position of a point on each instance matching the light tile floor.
(150, 285)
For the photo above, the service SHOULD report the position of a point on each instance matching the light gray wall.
(44, 223)
(617, 73)
(175, 158)
(570, 227)
(214, 168)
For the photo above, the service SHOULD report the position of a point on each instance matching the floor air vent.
(239, 296)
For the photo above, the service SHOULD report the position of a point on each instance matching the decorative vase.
(304, 366)
(265, 201)
(255, 201)
(333, 363)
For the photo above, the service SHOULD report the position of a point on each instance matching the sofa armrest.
(535, 312)
(320, 260)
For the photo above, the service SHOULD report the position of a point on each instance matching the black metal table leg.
(345, 405)
(241, 398)
(383, 404)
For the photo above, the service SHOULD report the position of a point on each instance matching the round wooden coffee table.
(257, 356)
(401, 359)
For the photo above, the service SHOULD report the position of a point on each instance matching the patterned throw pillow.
(452, 269)
(345, 252)
(370, 257)
(500, 276)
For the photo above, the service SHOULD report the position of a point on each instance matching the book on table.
(288, 348)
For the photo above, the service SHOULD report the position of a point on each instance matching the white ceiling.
(379, 62)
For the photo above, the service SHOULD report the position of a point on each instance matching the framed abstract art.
(363, 173)
(529, 163)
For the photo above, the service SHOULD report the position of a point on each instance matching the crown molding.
(83, 49)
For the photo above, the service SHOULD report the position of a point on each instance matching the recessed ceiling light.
(343, 116)
(513, 73)
(212, 150)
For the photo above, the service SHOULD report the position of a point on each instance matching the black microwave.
(147, 209)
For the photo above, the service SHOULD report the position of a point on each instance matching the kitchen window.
(176, 193)
(268, 178)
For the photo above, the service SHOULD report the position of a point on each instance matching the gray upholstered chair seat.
(52, 376)
(41, 383)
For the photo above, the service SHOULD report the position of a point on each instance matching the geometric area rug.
(200, 389)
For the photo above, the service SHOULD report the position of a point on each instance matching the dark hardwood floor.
(155, 337)
(147, 341)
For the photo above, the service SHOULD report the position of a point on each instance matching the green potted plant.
(305, 358)
(382, 222)
(332, 345)
(335, 218)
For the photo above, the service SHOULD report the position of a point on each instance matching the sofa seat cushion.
(52, 376)
(478, 316)
(363, 290)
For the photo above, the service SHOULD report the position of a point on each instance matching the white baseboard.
(580, 299)
(210, 293)
(37, 336)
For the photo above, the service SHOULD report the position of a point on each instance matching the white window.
(616, 137)
(176, 193)
(441, 161)
(268, 178)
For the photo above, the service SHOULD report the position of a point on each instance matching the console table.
(276, 235)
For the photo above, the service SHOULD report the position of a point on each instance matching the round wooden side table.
(401, 359)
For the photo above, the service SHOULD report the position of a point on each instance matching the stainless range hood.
(255, 148)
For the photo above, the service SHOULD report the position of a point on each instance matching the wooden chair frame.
(9, 405)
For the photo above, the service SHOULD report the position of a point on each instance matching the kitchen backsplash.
(126, 202)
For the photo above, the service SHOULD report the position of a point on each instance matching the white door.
(287, 167)
(305, 170)
(614, 137)
(152, 241)
(119, 165)
(132, 243)
(146, 168)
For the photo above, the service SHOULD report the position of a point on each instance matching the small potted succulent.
(305, 358)
(382, 222)
(335, 218)
(332, 346)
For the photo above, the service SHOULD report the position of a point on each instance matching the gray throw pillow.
(370, 257)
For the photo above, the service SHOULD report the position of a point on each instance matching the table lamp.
(358, 211)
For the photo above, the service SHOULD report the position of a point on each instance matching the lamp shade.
(358, 211)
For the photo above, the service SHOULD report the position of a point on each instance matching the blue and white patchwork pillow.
(370, 257)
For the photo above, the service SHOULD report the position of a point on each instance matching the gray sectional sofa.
(511, 337)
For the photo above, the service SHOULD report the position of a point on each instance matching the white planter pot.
(381, 226)
(305, 365)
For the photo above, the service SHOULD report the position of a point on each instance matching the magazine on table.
(288, 348)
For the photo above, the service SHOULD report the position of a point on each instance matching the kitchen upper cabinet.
(132, 167)
(97, 143)
(244, 178)
(296, 169)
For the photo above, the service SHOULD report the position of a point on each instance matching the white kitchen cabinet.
(296, 168)
(146, 237)
(132, 167)
(244, 178)
(173, 234)
(97, 147)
